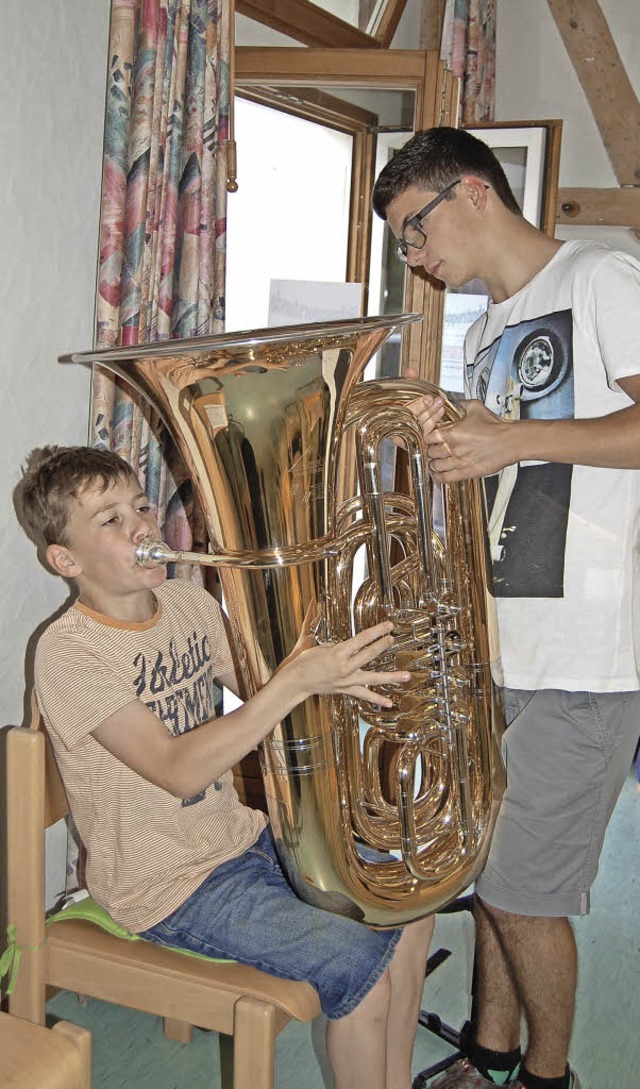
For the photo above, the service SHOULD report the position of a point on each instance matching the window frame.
(310, 24)
(435, 92)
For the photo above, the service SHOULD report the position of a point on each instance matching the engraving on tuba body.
(383, 815)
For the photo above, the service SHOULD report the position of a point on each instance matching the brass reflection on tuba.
(383, 815)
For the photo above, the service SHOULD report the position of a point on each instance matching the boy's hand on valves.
(428, 410)
(478, 445)
(340, 667)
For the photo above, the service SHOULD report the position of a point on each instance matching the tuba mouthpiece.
(150, 552)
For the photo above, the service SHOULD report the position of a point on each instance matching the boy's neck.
(131, 608)
(514, 257)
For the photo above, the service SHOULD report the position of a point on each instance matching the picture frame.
(529, 152)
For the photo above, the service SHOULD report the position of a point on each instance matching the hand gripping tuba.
(383, 815)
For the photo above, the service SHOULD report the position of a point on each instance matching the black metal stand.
(458, 1038)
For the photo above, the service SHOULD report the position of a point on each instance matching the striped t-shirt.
(147, 850)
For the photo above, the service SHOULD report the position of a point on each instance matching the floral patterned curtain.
(469, 48)
(163, 220)
(162, 234)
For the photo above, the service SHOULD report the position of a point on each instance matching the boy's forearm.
(198, 758)
(611, 441)
(347, 667)
(482, 443)
(189, 763)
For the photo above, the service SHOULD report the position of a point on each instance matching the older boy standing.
(553, 425)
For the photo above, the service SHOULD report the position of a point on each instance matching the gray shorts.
(567, 755)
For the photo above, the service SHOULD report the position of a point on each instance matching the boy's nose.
(142, 528)
(415, 258)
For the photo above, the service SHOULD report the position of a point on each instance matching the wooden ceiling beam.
(306, 23)
(614, 104)
(431, 23)
(600, 207)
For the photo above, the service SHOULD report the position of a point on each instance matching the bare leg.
(357, 1043)
(498, 1004)
(541, 953)
(407, 971)
(373, 1045)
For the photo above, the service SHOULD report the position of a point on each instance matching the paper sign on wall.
(298, 302)
(460, 312)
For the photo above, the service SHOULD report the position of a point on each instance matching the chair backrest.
(26, 866)
(56, 805)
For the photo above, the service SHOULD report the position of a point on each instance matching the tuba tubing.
(383, 815)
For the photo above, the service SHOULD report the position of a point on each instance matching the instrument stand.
(458, 1038)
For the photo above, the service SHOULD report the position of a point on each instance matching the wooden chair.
(34, 1057)
(232, 999)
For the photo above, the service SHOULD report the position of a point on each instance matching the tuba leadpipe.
(381, 814)
(151, 552)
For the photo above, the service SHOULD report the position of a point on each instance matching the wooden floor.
(130, 1052)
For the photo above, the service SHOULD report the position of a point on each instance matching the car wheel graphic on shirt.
(541, 364)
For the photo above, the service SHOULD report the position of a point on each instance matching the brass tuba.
(383, 815)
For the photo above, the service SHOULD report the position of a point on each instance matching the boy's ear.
(62, 562)
(476, 190)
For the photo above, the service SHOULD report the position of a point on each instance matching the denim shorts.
(567, 755)
(246, 911)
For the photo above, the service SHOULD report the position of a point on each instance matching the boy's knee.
(418, 934)
(378, 998)
(423, 928)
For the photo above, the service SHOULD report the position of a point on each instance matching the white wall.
(52, 78)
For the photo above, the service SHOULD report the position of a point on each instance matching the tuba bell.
(384, 815)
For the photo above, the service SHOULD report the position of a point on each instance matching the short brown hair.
(52, 477)
(434, 158)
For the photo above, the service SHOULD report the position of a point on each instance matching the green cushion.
(91, 912)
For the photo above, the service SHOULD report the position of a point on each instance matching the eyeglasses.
(413, 235)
